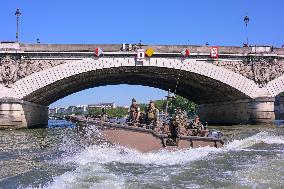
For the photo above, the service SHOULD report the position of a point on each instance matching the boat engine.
(215, 134)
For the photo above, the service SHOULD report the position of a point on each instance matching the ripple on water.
(114, 166)
(68, 158)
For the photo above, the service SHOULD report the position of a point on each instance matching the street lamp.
(18, 14)
(246, 20)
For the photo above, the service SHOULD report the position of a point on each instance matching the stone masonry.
(241, 77)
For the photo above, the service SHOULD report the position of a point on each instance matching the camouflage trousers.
(154, 122)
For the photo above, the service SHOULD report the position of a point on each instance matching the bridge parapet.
(260, 64)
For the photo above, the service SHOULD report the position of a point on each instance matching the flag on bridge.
(185, 52)
(98, 51)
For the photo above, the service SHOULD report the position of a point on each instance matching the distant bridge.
(237, 87)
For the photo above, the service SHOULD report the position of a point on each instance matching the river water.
(68, 156)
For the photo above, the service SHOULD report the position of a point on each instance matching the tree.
(120, 112)
(143, 107)
(95, 111)
(178, 101)
(111, 112)
(117, 112)
(161, 104)
(183, 103)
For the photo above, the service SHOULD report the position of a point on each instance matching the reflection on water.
(69, 156)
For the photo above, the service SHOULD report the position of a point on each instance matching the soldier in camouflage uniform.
(179, 121)
(196, 124)
(200, 129)
(152, 114)
(134, 113)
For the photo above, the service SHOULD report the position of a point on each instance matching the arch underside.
(195, 87)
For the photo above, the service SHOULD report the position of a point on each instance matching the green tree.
(117, 112)
(143, 107)
(178, 101)
(183, 103)
(77, 113)
(120, 112)
(161, 104)
(111, 112)
(95, 111)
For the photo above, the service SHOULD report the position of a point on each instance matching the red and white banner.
(214, 52)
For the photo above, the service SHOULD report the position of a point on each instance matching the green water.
(66, 156)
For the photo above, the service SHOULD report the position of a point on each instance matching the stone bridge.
(237, 87)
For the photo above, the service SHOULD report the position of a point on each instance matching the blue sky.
(153, 22)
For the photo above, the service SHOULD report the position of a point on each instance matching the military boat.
(145, 138)
(170, 134)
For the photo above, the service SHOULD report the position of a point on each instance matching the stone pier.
(16, 114)
(248, 111)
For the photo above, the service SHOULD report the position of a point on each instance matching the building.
(61, 110)
(81, 110)
(103, 105)
(52, 111)
(70, 110)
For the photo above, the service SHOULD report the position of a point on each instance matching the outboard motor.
(215, 134)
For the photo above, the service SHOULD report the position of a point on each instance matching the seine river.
(67, 156)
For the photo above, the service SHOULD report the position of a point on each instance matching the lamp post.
(246, 20)
(18, 14)
(169, 97)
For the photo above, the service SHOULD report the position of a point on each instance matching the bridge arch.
(199, 81)
(276, 86)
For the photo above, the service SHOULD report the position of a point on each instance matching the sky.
(128, 21)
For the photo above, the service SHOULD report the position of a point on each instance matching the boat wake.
(106, 153)
(92, 162)
(262, 137)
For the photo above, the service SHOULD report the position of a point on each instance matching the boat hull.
(146, 140)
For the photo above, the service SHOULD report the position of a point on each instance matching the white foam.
(262, 137)
(89, 176)
(104, 154)
(91, 161)
(90, 164)
(92, 175)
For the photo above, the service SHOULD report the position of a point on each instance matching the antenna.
(168, 98)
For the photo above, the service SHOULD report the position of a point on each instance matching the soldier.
(152, 114)
(196, 124)
(104, 115)
(134, 113)
(178, 122)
